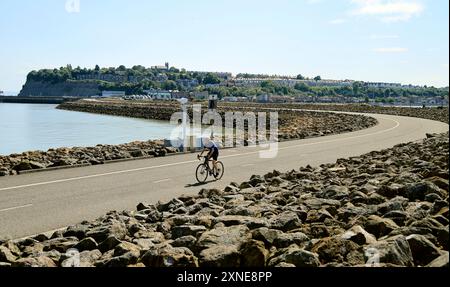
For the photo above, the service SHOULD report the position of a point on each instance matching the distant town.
(167, 83)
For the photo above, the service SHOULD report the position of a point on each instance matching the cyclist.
(213, 152)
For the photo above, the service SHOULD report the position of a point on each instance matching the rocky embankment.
(291, 126)
(432, 113)
(66, 157)
(387, 208)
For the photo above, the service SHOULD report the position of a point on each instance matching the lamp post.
(183, 102)
(212, 106)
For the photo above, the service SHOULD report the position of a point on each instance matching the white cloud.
(391, 50)
(337, 21)
(388, 11)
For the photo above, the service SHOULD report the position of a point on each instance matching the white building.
(108, 94)
(159, 95)
(265, 98)
(383, 85)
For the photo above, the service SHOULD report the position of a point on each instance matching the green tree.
(302, 87)
(169, 85)
(211, 78)
(317, 78)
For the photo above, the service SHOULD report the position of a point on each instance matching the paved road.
(44, 201)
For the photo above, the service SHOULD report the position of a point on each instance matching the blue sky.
(373, 40)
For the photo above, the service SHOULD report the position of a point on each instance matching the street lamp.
(184, 102)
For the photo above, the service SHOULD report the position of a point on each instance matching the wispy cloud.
(391, 50)
(337, 21)
(388, 11)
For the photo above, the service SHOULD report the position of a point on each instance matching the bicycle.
(204, 170)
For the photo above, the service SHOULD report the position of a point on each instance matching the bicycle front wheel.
(218, 173)
(201, 173)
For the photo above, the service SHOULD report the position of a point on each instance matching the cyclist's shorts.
(215, 154)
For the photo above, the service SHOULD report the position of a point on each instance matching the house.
(161, 78)
(109, 94)
(179, 95)
(163, 68)
(188, 83)
(159, 94)
(265, 98)
(230, 99)
(281, 99)
(383, 85)
(201, 95)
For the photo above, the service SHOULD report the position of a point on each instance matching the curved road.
(40, 202)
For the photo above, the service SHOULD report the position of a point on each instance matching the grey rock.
(169, 256)
(358, 235)
(233, 235)
(266, 235)
(41, 261)
(285, 221)
(379, 226)
(296, 256)
(286, 239)
(441, 261)
(222, 256)
(87, 243)
(394, 250)
(423, 250)
(253, 254)
(108, 244)
(185, 230)
(6, 255)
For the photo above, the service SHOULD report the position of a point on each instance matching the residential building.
(281, 99)
(159, 94)
(383, 85)
(109, 94)
(230, 99)
(201, 95)
(102, 77)
(180, 95)
(166, 67)
(265, 98)
(188, 83)
(256, 82)
(161, 78)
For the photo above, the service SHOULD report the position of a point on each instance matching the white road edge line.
(162, 180)
(16, 207)
(192, 161)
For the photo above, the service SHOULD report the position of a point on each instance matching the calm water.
(26, 127)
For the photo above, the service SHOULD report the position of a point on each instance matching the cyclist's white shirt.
(211, 145)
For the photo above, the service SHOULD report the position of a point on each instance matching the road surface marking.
(162, 180)
(16, 207)
(193, 161)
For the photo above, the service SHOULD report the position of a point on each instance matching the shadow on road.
(198, 184)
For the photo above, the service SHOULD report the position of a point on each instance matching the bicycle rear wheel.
(218, 173)
(201, 173)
